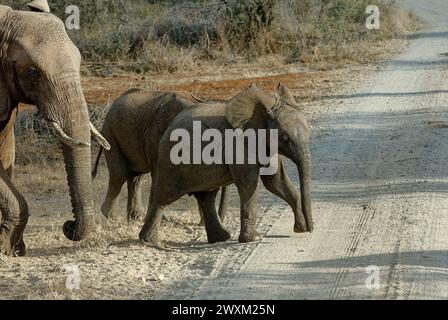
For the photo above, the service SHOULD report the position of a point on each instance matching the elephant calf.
(134, 126)
(251, 109)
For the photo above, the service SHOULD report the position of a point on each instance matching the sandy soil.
(379, 156)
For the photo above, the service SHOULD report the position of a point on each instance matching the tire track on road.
(358, 232)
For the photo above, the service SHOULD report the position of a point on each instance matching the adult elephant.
(40, 65)
(251, 110)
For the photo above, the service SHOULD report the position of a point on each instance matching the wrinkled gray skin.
(40, 65)
(134, 126)
(252, 108)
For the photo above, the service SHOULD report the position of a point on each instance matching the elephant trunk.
(72, 126)
(78, 167)
(304, 169)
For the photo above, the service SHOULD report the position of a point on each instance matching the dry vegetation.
(143, 35)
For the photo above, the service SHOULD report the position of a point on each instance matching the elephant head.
(40, 65)
(255, 109)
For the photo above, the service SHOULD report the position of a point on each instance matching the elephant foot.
(252, 236)
(148, 236)
(8, 249)
(136, 215)
(20, 250)
(218, 236)
(107, 212)
(151, 239)
(202, 222)
(300, 228)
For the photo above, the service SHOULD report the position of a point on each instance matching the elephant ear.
(251, 105)
(5, 102)
(287, 96)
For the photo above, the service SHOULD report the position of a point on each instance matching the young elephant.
(134, 126)
(251, 109)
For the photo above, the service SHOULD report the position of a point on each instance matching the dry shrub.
(160, 56)
(185, 35)
(334, 31)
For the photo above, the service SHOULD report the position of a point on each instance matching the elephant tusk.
(65, 139)
(98, 137)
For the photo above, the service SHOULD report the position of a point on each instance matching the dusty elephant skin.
(134, 126)
(40, 65)
(251, 109)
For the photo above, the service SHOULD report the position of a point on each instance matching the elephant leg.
(246, 181)
(12, 156)
(109, 206)
(118, 174)
(14, 217)
(215, 230)
(224, 202)
(223, 205)
(201, 213)
(149, 234)
(135, 206)
(281, 185)
(8, 146)
(21, 247)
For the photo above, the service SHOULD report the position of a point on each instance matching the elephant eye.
(33, 73)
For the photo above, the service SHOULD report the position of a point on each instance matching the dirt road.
(380, 192)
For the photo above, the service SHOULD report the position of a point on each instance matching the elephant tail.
(97, 162)
(224, 202)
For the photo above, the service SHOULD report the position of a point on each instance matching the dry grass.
(177, 36)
